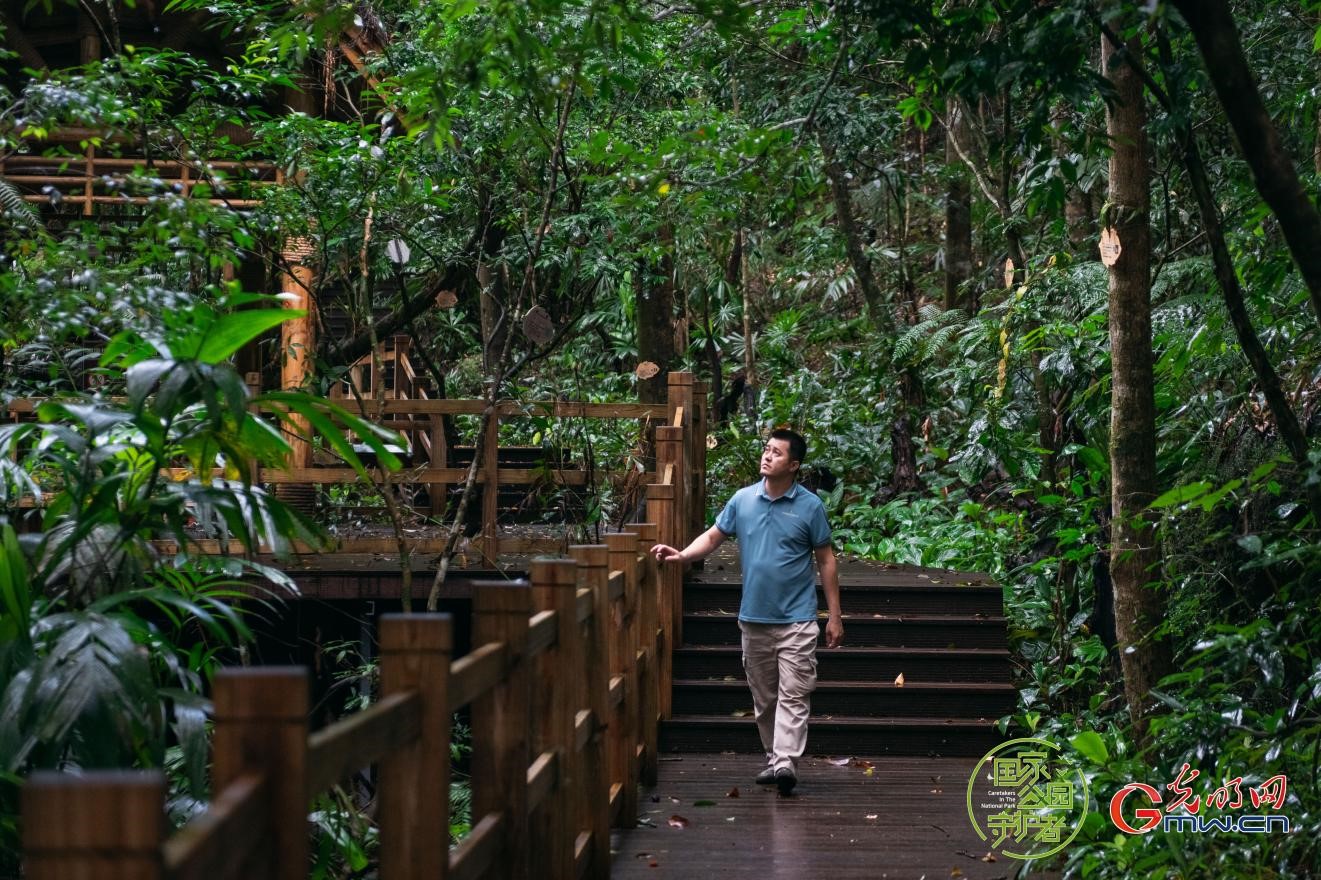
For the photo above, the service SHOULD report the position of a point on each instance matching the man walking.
(780, 526)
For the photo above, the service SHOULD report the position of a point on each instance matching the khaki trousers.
(780, 662)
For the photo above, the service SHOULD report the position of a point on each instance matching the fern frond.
(13, 203)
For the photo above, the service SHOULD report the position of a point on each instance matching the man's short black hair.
(797, 445)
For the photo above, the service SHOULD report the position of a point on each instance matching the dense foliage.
(779, 178)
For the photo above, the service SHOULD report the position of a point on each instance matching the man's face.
(775, 461)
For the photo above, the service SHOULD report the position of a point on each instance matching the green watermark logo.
(1025, 800)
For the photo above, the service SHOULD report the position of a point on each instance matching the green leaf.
(236, 329)
(1091, 745)
(1181, 495)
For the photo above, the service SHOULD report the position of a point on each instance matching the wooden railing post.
(261, 727)
(415, 779)
(701, 417)
(649, 660)
(624, 739)
(490, 453)
(102, 825)
(297, 336)
(681, 397)
(500, 721)
(663, 509)
(594, 574)
(555, 695)
(438, 492)
(403, 388)
(674, 574)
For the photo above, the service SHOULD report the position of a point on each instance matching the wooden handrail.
(476, 674)
(348, 745)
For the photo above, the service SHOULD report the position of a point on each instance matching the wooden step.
(893, 631)
(839, 736)
(861, 699)
(852, 663)
(864, 596)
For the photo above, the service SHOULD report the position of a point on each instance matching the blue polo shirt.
(775, 542)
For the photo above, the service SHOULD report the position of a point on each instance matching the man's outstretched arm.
(825, 562)
(701, 547)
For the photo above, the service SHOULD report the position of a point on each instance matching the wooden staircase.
(943, 631)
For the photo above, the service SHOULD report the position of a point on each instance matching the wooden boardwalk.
(908, 819)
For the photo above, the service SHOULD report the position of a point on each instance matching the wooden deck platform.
(907, 819)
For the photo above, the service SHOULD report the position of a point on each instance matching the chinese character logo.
(1025, 801)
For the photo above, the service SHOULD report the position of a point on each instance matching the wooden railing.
(568, 679)
(90, 177)
(680, 441)
(564, 684)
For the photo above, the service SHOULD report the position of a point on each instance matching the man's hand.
(834, 631)
(666, 553)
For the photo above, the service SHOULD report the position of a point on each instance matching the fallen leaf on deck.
(733, 792)
(899, 680)
(841, 762)
(989, 857)
(653, 864)
(675, 800)
(677, 821)
(872, 815)
(865, 765)
(955, 872)
(869, 771)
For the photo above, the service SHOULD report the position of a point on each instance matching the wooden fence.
(568, 678)
(564, 686)
(89, 178)
(681, 421)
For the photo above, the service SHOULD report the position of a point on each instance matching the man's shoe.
(785, 781)
(766, 777)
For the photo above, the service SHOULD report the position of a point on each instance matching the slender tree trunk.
(877, 308)
(902, 451)
(751, 385)
(655, 321)
(1286, 420)
(1134, 555)
(958, 213)
(1273, 168)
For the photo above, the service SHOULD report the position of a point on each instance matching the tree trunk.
(495, 324)
(750, 383)
(1134, 555)
(1272, 167)
(958, 214)
(902, 450)
(655, 322)
(1286, 420)
(877, 308)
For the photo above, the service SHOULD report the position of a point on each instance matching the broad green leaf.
(1181, 495)
(234, 330)
(1090, 743)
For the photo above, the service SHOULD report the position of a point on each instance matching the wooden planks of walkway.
(907, 819)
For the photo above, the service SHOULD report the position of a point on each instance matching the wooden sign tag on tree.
(1110, 246)
(538, 326)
